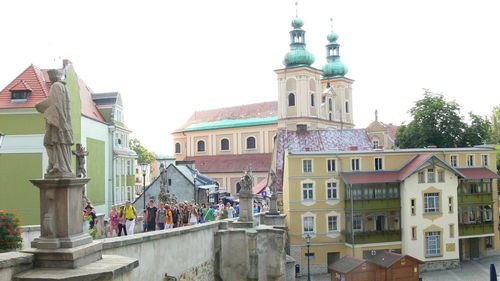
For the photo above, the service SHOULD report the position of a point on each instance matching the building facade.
(437, 205)
(22, 154)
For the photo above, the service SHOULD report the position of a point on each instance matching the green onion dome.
(300, 57)
(334, 69)
(332, 37)
(297, 23)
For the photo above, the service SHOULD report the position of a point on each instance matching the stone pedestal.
(62, 243)
(273, 205)
(245, 219)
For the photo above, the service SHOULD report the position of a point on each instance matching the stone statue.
(48, 214)
(163, 176)
(80, 154)
(246, 182)
(274, 181)
(58, 131)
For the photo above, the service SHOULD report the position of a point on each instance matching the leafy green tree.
(439, 122)
(143, 154)
(495, 126)
(477, 132)
(435, 122)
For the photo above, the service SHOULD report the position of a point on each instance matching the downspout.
(112, 178)
(352, 218)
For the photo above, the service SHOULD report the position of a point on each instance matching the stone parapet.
(12, 263)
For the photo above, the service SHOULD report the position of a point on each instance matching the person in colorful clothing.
(113, 221)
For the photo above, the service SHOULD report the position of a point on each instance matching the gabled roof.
(346, 264)
(317, 140)
(387, 259)
(359, 177)
(188, 172)
(257, 162)
(260, 186)
(21, 86)
(31, 78)
(37, 80)
(247, 111)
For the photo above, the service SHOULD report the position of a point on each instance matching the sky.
(170, 58)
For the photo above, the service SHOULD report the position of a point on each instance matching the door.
(474, 248)
(380, 223)
(331, 258)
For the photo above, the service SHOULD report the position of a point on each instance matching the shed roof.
(478, 173)
(346, 264)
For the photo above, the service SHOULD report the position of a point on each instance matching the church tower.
(337, 89)
(299, 99)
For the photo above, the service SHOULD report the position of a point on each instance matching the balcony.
(475, 197)
(365, 237)
(473, 229)
(373, 204)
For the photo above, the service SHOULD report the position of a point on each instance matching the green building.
(95, 124)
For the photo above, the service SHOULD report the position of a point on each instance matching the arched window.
(250, 143)
(224, 144)
(330, 106)
(291, 99)
(375, 143)
(177, 147)
(312, 99)
(200, 146)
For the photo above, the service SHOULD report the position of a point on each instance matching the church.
(312, 103)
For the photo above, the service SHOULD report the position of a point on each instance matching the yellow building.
(437, 204)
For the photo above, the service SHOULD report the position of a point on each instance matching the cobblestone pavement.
(469, 271)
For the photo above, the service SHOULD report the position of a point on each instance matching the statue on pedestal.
(274, 181)
(246, 182)
(163, 196)
(58, 131)
(273, 208)
(80, 154)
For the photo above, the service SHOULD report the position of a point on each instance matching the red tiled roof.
(37, 80)
(263, 109)
(39, 86)
(260, 186)
(414, 164)
(22, 85)
(478, 173)
(260, 162)
(370, 177)
(89, 107)
(392, 129)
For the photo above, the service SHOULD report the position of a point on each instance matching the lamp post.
(195, 174)
(144, 167)
(308, 243)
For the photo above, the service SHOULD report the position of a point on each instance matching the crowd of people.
(122, 219)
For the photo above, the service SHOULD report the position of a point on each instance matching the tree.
(477, 132)
(439, 122)
(144, 155)
(495, 126)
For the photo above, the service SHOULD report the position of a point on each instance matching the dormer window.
(20, 95)
(20, 91)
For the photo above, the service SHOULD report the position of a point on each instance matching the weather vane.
(331, 24)
(296, 9)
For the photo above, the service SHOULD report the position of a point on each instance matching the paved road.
(469, 271)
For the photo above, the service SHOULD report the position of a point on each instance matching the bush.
(10, 234)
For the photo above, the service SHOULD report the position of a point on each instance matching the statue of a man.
(274, 180)
(58, 131)
(80, 154)
(163, 175)
(246, 182)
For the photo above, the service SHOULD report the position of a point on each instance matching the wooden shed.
(397, 267)
(351, 268)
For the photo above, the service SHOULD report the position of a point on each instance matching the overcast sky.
(169, 58)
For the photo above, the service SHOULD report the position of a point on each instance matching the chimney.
(352, 148)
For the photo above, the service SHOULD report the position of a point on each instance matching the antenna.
(296, 9)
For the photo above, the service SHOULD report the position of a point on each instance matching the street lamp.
(195, 174)
(308, 243)
(144, 167)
